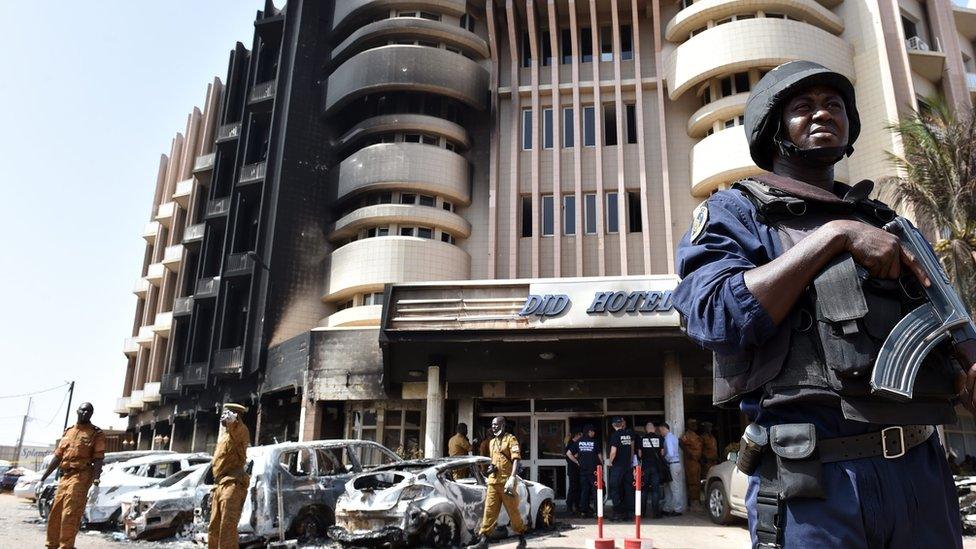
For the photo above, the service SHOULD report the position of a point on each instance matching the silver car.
(167, 508)
(430, 502)
(725, 491)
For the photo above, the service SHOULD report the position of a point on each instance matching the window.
(547, 215)
(723, 21)
(429, 139)
(613, 224)
(546, 49)
(730, 123)
(375, 298)
(408, 198)
(776, 15)
(384, 198)
(741, 82)
(328, 462)
(426, 200)
(626, 43)
(447, 206)
(606, 44)
(547, 128)
(406, 231)
(431, 16)
(412, 137)
(744, 17)
(467, 22)
(726, 84)
(373, 456)
(569, 214)
(568, 127)
(586, 45)
(634, 223)
(526, 129)
(911, 30)
(589, 126)
(448, 145)
(631, 128)
(589, 212)
(447, 237)
(425, 232)
(526, 216)
(298, 463)
(371, 232)
(364, 424)
(383, 231)
(526, 50)
(609, 124)
(699, 30)
(401, 433)
(344, 305)
(567, 46)
(707, 95)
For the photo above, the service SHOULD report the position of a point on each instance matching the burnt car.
(10, 478)
(303, 480)
(430, 502)
(167, 508)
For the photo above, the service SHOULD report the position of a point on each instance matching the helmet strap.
(819, 157)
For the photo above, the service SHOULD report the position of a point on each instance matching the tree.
(937, 183)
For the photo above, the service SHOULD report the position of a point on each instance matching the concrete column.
(193, 434)
(310, 421)
(434, 431)
(466, 416)
(172, 433)
(674, 397)
(257, 422)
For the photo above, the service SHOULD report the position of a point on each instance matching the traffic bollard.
(638, 542)
(600, 542)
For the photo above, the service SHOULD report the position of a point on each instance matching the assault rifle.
(943, 316)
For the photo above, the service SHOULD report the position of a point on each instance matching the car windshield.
(173, 479)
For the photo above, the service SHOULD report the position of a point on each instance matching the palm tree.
(937, 183)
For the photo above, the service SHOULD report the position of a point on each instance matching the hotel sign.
(605, 302)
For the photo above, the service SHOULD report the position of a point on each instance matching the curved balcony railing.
(366, 315)
(408, 68)
(406, 166)
(720, 158)
(349, 12)
(401, 214)
(405, 123)
(701, 12)
(716, 111)
(380, 32)
(726, 48)
(368, 264)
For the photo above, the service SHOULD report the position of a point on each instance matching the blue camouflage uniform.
(870, 502)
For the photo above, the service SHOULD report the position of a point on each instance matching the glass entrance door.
(548, 459)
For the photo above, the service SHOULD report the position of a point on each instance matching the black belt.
(890, 443)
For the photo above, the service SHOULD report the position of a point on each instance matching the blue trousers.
(651, 492)
(587, 497)
(908, 502)
(621, 485)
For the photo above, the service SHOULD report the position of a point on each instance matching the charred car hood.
(379, 491)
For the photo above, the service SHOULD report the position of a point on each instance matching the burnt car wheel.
(442, 531)
(308, 527)
(545, 518)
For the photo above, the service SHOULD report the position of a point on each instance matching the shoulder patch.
(698, 221)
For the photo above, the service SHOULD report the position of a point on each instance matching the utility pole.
(23, 429)
(67, 413)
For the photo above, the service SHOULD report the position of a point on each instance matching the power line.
(35, 392)
(58, 411)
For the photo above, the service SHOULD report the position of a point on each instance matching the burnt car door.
(465, 487)
(334, 468)
(296, 483)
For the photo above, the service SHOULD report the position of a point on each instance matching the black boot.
(521, 543)
(479, 542)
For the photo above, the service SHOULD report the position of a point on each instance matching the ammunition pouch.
(798, 466)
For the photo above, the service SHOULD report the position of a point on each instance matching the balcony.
(154, 274)
(151, 231)
(698, 14)
(145, 336)
(381, 32)
(367, 315)
(721, 50)
(252, 173)
(349, 12)
(402, 214)
(405, 123)
(926, 61)
(263, 92)
(218, 208)
(193, 235)
(965, 15)
(207, 288)
(173, 257)
(720, 158)
(228, 362)
(408, 68)
(407, 167)
(240, 264)
(183, 306)
(204, 163)
(121, 406)
(183, 191)
(130, 347)
(171, 384)
(165, 213)
(135, 401)
(228, 132)
(163, 323)
(141, 288)
(196, 374)
(150, 392)
(370, 263)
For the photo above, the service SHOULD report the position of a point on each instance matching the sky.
(92, 93)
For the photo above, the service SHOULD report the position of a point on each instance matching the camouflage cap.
(236, 408)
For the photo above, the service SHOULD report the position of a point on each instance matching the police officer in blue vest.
(788, 278)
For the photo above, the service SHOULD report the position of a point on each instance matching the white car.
(167, 508)
(120, 479)
(725, 491)
(430, 502)
(26, 486)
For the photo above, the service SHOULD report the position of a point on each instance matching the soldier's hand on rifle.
(877, 250)
(966, 382)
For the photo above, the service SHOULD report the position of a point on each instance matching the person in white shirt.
(674, 491)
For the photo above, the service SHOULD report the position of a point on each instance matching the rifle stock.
(944, 316)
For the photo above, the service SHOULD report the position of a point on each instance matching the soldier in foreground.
(230, 479)
(505, 457)
(789, 278)
(79, 455)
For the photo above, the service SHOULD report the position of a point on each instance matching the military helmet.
(763, 108)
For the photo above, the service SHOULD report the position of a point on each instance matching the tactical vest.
(824, 351)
